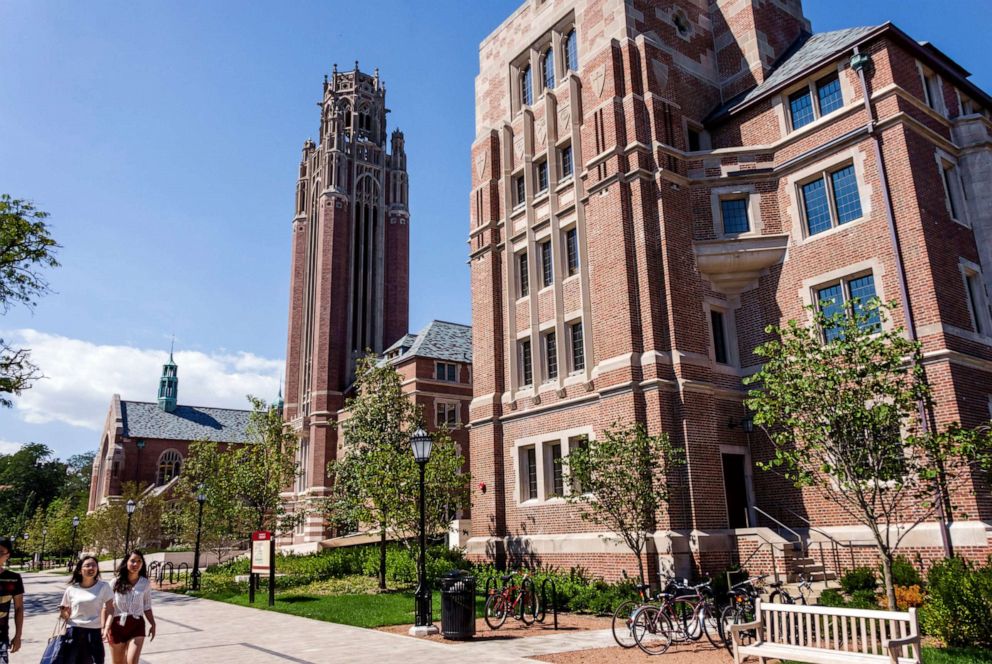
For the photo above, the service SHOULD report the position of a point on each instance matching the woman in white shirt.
(87, 600)
(124, 626)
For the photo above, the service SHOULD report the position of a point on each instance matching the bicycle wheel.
(735, 615)
(623, 627)
(780, 597)
(685, 619)
(528, 603)
(495, 611)
(709, 620)
(652, 630)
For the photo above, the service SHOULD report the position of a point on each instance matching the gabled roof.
(808, 52)
(141, 419)
(439, 340)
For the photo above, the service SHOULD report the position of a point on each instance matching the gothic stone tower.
(349, 285)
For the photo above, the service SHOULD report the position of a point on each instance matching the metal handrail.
(799, 538)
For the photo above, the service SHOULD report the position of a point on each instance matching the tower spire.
(168, 383)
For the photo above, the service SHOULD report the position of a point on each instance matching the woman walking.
(124, 627)
(86, 603)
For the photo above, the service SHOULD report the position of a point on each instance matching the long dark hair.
(77, 572)
(121, 584)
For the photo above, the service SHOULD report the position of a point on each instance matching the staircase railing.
(800, 540)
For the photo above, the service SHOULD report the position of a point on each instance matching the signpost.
(263, 561)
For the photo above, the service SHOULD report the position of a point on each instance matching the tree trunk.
(890, 590)
(382, 559)
(640, 565)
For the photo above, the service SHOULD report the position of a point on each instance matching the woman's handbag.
(53, 651)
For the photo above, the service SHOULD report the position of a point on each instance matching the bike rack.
(544, 600)
(183, 568)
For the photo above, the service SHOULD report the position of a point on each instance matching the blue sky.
(164, 137)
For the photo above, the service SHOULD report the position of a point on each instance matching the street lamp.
(127, 538)
(423, 624)
(201, 497)
(75, 526)
(41, 556)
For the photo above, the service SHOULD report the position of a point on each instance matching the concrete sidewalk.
(204, 632)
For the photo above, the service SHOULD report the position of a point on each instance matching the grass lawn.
(359, 610)
(957, 656)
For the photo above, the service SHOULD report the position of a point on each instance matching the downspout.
(860, 62)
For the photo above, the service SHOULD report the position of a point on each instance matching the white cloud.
(7, 447)
(81, 377)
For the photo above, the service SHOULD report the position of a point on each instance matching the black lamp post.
(75, 526)
(127, 538)
(201, 497)
(25, 536)
(41, 557)
(421, 444)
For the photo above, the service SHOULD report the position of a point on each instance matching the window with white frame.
(169, 464)
(526, 363)
(720, 336)
(541, 463)
(547, 267)
(445, 414)
(816, 99)
(523, 274)
(528, 473)
(519, 191)
(571, 51)
(953, 189)
(978, 307)
(733, 210)
(553, 465)
(541, 175)
(846, 296)
(526, 87)
(567, 167)
(551, 355)
(830, 199)
(932, 90)
(577, 348)
(303, 458)
(446, 371)
(571, 252)
(548, 69)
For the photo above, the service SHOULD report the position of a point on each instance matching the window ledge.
(564, 183)
(523, 298)
(545, 289)
(571, 277)
(832, 231)
(540, 197)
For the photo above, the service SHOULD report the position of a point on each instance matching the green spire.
(279, 402)
(168, 384)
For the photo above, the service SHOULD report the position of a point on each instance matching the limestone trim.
(955, 357)
(747, 192)
(953, 187)
(809, 83)
(933, 89)
(872, 266)
(795, 210)
(542, 444)
(728, 309)
(977, 300)
(745, 451)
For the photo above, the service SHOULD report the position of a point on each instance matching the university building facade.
(653, 185)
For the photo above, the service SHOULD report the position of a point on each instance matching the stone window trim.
(533, 58)
(976, 297)
(574, 354)
(872, 266)
(444, 370)
(955, 200)
(449, 406)
(550, 363)
(719, 194)
(728, 308)
(682, 24)
(795, 209)
(169, 466)
(541, 444)
(704, 136)
(744, 450)
(523, 341)
(849, 95)
(521, 274)
(570, 251)
(933, 88)
(566, 157)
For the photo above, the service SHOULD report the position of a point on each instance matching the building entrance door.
(735, 489)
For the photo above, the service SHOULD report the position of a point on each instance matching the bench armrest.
(735, 630)
(895, 644)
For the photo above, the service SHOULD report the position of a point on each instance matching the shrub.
(958, 603)
(863, 599)
(904, 572)
(908, 596)
(831, 597)
(859, 578)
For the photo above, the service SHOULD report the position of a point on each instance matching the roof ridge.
(184, 405)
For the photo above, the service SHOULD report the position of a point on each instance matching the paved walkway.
(205, 632)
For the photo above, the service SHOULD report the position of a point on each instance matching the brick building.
(349, 288)
(653, 184)
(147, 443)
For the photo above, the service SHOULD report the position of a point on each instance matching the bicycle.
(622, 624)
(685, 613)
(520, 601)
(740, 609)
(782, 596)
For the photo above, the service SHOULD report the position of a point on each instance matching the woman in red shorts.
(125, 629)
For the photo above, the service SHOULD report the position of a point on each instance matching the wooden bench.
(823, 634)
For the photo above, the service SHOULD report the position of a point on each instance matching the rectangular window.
(446, 371)
(931, 88)
(973, 284)
(836, 298)
(542, 176)
(718, 326)
(571, 251)
(952, 189)
(547, 271)
(557, 481)
(566, 162)
(551, 354)
(530, 461)
(519, 192)
(831, 199)
(694, 140)
(828, 94)
(734, 212)
(571, 52)
(446, 415)
(801, 108)
(526, 366)
(578, 352)
(526, 87)
(523, 274)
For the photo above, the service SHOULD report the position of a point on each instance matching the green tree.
(621, 481)
(29, 478)
(844, 418)
(26, 249)
(105, 530)
(376, 479)
(242, 483)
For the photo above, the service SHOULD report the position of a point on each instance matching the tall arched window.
(526, 88)
(168, 466)
(571, 52)
(548, 69)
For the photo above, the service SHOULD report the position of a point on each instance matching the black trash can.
(457, 605)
